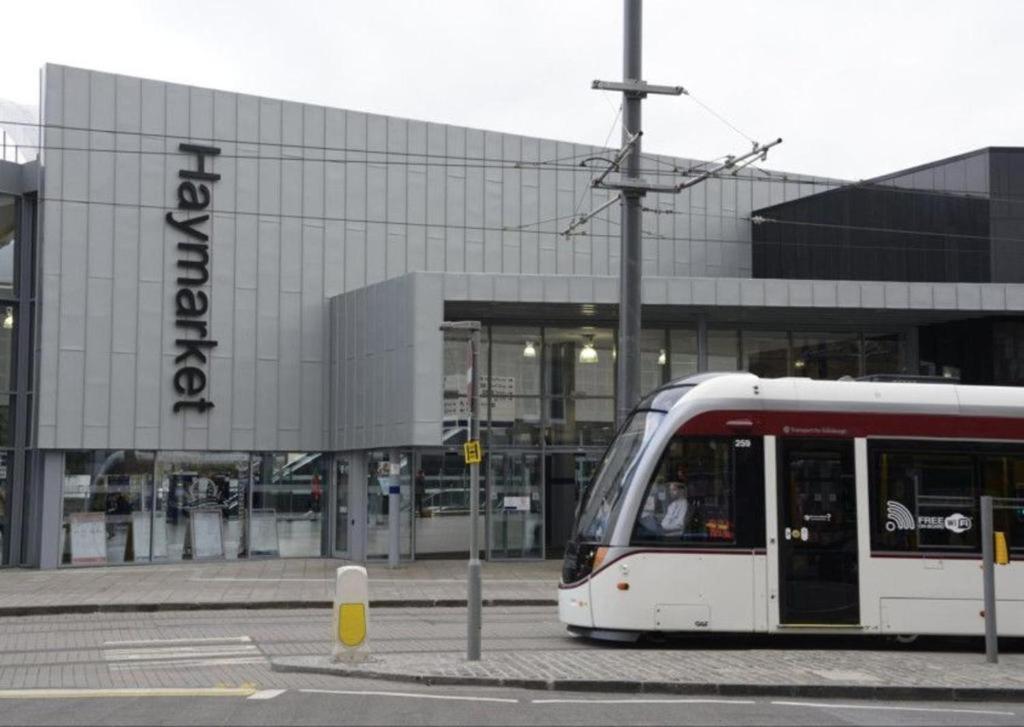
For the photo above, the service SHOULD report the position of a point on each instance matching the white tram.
(728, 502)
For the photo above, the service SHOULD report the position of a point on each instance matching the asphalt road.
(351, 702)
(218, 662)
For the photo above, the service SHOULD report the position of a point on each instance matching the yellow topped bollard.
(351, 615)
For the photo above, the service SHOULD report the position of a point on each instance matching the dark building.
(960, 220)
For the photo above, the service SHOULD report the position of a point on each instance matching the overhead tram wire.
(522, 165)
(562, 163)
(482, 228)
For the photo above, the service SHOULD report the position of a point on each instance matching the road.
(217, 661)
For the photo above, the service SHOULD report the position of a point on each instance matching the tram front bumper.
(574, 607)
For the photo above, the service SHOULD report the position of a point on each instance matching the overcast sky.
(856, 88)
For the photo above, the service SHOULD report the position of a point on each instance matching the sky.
(856, 88)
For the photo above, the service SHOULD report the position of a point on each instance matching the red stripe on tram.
(839, 425)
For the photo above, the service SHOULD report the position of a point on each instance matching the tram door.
(818, 574)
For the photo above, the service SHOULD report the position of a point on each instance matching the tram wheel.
(905, 638)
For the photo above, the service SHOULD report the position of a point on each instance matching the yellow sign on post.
(471, 450)
(1002, 555)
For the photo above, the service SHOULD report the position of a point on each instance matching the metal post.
(394, 508)
(989, 580)
(473, 590)
(473, 600)
(628, 360)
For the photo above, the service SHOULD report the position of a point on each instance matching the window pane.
(107, 504)
(580, 361)
(924, 501)
(684, 353)
(766, 353)
(442, 504)
(581, 422)
(826, 355)
(210, 486)
(723, 350)
(883, 354)
(8, 233)
(517, 514)
(287, 501)
(514, 422)
(691, 496)
(1004, 477)
(653, 361)
(515, 361)
(7, 318)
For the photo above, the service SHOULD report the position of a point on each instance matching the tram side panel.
(678, 591)
(941, 596)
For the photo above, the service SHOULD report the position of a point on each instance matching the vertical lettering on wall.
(193, 271)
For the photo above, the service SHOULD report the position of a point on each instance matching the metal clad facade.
(312, 203)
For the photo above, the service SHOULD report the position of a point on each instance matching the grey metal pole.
(628, 360)
(473, 590)
(989, 580)
(394, 510)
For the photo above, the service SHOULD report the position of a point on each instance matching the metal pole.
(473, 594)
(394, 509)
(628, 361)
(989, 580)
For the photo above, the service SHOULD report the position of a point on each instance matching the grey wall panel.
(312, 203)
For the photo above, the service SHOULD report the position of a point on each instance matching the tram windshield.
(605, 495)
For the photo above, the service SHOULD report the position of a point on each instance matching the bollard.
(351, 615)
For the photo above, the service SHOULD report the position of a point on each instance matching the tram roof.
(738, 390)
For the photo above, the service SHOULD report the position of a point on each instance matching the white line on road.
(267, 694)
(128, 693)
(642, 701)
(203, 640)
(164, 665)
(409, 695)
(160, 655)
(894, 709)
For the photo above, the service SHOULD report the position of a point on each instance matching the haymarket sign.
(191, 303)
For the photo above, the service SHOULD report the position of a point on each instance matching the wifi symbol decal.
(899, 517)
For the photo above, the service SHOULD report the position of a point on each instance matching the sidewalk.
(280, 583)
(819, 673)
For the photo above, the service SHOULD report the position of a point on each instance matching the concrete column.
(46, 490)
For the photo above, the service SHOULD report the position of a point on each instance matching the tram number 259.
(741, 443)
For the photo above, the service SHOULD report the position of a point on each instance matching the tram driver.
(673, 522)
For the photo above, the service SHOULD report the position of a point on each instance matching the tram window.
(1003, 476)
(692, 498)
(924, 501)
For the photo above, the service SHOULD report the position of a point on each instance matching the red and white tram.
(728, 502)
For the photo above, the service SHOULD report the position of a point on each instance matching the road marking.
(267, 694)
(164, 654)
(191, 664)
(124, 693)
(642, 701)
(207, 640)
(895, 709)
(409, 695)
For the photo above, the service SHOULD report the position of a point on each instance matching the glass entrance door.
(383, 471)
(818, 579)
(516, 506)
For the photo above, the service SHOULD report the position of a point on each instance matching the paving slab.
(793, 672)
(282, 583)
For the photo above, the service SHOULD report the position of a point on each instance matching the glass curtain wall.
(8, 315)
(816, 355)
(126, 506)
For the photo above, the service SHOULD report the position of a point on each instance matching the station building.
(220, 316)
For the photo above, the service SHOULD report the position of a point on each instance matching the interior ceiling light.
(662, 357)
(588, 354)
(529, 351)
(8, 322)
